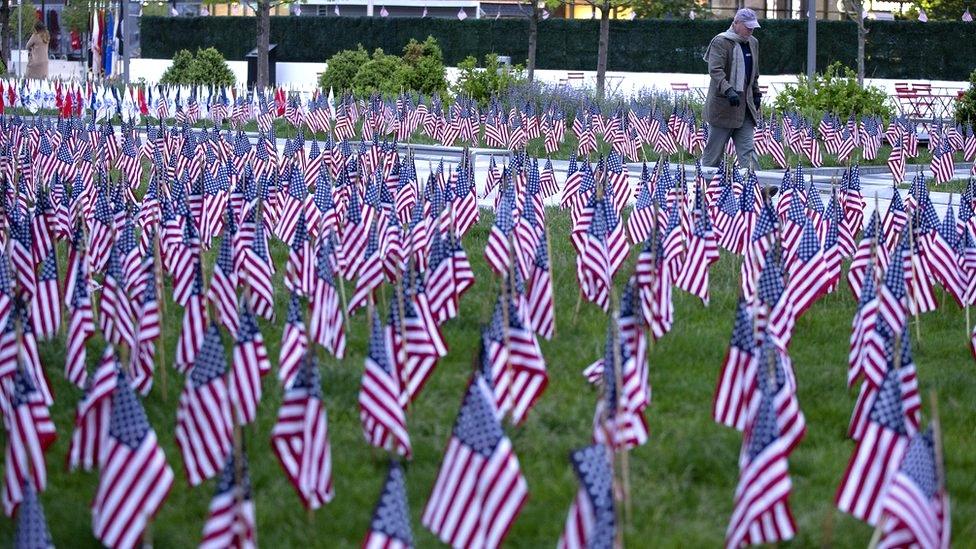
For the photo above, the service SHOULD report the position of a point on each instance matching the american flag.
(441, 286)
(619, 420)
(93, 414)
(30, 432)
(222, 293)
(939, 247)
(250, 363)
(148, 330)
(641, 218)
(128, 163)
(423, 343)
(300, 272)
(389, 527)
(761, 511)
(81, 323)
(480, 489)
(866, 356)
(194, 324)
(371, 270)
(702, 253)
(729, 406)
(21, 254)
(911, 402)
(116, 317)
(135, 478)
(31, 530)
(231, 521)
(355, 237)
(300, 437)
(204, 424)
(942, 163)
(257, 272)
(893, 296)
(541, 306)
(525, 374)
(46, 303)
(895, 219)
(807, 282)
(916, 504)
(294, 342)
(500, 248)
(382, 395)
(603, 251)
(325, 323)
(877, 453)
(592, 520)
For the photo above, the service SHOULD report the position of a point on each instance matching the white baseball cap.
(747, 17)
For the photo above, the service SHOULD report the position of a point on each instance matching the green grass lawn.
(682, 480)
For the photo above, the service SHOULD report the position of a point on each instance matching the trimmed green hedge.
(895, 49)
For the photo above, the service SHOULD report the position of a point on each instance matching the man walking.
(732, 105)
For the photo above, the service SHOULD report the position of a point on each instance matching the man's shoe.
(770, 191)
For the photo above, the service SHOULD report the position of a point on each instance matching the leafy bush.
(76, 16)
(836, 91)
(423, 69)
(342, 68)
(156, 9)
(179, 71)
(382, 74)
(26, 24)
(966, 106)
(481, 83)
(207, 67)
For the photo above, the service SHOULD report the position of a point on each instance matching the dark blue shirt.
(747, 54)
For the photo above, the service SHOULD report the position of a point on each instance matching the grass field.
(682, 479)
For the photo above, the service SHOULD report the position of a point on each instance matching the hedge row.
(895, 49)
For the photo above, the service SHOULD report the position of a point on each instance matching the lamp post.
(811, 40)
(20, 39)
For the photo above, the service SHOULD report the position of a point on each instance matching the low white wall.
(304, 76)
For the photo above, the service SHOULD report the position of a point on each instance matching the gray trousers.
(742, 138)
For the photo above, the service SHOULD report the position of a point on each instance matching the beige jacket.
(718, 111)
(37, 55)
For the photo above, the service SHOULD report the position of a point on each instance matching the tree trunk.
(264, 31)
(533, 39)
(5, 33)
(603, 46)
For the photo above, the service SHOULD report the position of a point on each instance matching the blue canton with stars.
(595, 474)
(211, 361)
(128, 424)
(392, 516)
(476, 425)
(919, 463)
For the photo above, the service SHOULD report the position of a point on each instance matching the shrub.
(156, 9)
(423, 69)
(481, 83)
(342, 68)
(179, 71)
(207, 67)
(76, 16)
(966, 106)
(26, 24)
(382, 74)
(836, 91)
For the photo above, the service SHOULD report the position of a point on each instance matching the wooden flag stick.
(624, 453)
(161, 299)
(937, 439)
(911, 295)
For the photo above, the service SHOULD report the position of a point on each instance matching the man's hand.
(732, 97)
(757, 99)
